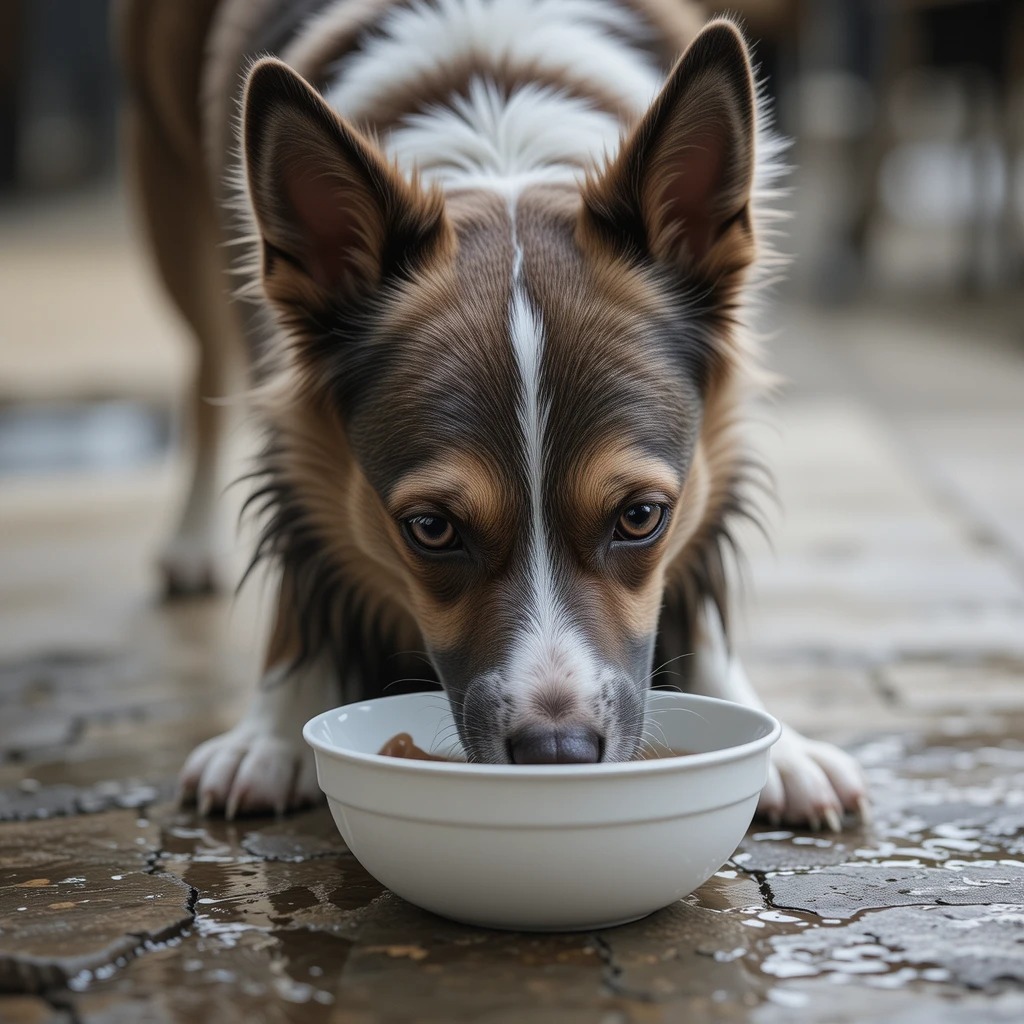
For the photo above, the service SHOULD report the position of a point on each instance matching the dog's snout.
(545, 744)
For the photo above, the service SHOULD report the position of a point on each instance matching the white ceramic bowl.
(543, 847)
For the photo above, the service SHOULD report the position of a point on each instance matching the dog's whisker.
(660, 733)
(664, 665)
(408, 679)
(422, 655)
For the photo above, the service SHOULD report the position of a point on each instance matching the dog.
(501, 255)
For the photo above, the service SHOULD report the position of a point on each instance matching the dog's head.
(495, 415)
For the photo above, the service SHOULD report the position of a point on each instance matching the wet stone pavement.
(890, 618)
(133, 910)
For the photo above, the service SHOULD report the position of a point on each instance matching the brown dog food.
(402, 745)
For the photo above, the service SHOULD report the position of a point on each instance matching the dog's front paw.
(247, 772)
(812, 783)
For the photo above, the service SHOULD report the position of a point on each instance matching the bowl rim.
(470, 770)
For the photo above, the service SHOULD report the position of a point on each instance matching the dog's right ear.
(336, 219)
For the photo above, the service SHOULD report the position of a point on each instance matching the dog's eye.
(640, 521)
(432, 533)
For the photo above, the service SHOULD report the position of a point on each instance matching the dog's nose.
(539, 744)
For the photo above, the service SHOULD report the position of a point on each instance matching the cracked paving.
(890, 618)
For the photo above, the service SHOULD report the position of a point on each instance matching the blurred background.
(904, 293)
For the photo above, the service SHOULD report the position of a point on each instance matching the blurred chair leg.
(12, 44)
(1013, 135)
(890, 46)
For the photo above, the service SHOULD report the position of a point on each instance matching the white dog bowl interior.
(542, 847)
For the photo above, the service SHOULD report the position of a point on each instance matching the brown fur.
(389, 298)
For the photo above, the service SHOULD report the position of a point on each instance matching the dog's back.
(380, 61)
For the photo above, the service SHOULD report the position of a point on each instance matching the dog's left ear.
(336, 219)
(680, 186)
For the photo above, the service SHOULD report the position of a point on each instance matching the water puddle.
(928, 894)
(105, 435)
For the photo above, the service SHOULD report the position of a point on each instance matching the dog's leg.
(263, 764)
(189, 558)
(180, 219)
(809, 782)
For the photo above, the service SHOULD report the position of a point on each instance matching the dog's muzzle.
(499, 725)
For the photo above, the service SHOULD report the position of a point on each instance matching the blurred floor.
(893, 603)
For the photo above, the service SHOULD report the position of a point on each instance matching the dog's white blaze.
(527, 339)
(549, 650)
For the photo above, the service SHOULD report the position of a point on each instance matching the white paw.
(812, 784)
(247, 772)
(189, 567)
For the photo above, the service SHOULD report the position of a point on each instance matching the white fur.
(809, 781)
(263, 764)
(584, 37)
(538, 134)
(487, 140)
(549, 651)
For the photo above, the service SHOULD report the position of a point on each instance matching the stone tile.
(79, 897)
(30, 732)
(241, 896)
(682, 955)
(938, 687)
(186, 836)
(43, 847)
(841, 891)
(79, 567)
(64, 799)
(910, 1003)
(825, 625)
(893, 579)
(945, 798)
(988, 490)
(30, 1010)
(767, 849)
(912, 356)
(821, 699)
(409, 964)
(867, 565)
(728, 889)
(269, 939)
(971, 946)
(265, 976)
(307, 835)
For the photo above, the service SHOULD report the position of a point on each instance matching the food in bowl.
(553, 847)
(403, 745)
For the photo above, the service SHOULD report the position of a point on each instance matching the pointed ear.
(680, 186)
(336, 219)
